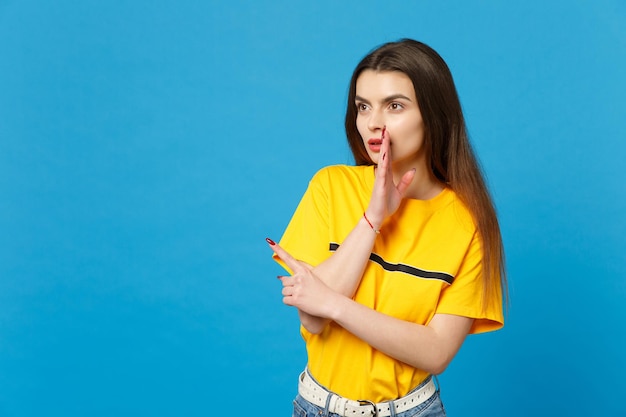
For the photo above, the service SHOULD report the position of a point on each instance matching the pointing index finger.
(283, 255)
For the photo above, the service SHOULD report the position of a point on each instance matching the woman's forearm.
(343, 270)
(430, 347)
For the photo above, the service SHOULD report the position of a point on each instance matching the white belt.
(314, 393)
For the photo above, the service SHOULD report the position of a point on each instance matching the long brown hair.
(452, 159)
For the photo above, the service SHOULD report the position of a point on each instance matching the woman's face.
(387, 99)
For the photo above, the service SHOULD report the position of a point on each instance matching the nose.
(376, 120)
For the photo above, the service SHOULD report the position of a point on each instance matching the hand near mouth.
(386, 195)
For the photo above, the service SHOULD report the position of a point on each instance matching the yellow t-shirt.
(426, 260)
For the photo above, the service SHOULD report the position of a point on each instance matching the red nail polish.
(270, 241)
(385, 154)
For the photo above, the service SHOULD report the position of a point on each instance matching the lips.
(375, 144)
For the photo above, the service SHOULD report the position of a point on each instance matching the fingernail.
(385, 154)
(270, 241)
(384, 130)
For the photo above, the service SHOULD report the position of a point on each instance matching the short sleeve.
(464, 297)
(306, 237)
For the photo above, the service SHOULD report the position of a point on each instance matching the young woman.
(393, 261)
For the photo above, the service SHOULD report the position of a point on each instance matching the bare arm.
(429, 347)
(341, 272)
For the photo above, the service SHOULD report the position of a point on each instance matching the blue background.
(148, 148)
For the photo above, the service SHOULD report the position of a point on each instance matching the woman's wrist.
(372, 223)
(338, 307)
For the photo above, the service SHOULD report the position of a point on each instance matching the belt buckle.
(368, 402)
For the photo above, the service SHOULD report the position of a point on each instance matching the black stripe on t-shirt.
(407, 269)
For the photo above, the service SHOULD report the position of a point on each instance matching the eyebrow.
(386, 99)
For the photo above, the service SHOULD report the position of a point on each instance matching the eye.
(396, 106)
(361, 107)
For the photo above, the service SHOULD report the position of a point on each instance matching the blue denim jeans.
(433, 407)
